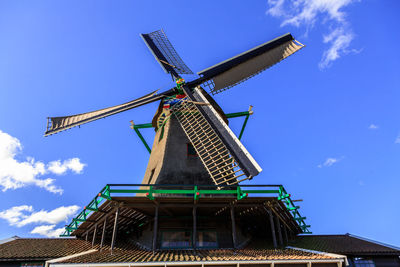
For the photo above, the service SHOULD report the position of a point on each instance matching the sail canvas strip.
(233, 147)
(165, 53)
(216, 158)
(250, 63)
(254, 66)
(237, 149)
(57, 124)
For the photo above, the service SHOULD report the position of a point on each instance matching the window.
(191, 152)
(183, 239)
(161, 134)
(31, 264)
(176, 239)
(151, 175)
(362, 262)
(206, 239)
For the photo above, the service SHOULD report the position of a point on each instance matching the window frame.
(191, 238)
(187, 150)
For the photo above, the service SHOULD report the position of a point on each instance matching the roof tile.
(42, 248)
(343, 244)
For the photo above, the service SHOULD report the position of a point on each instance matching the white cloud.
(16, 174)
(373, 127)
(397, 141)
(340, 40)
(309, 12)
(59, 168)
(15, 214)
(23, 215)
(48, 230)
(329, 162)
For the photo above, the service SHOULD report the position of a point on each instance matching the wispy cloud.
(15, 173)
(397, 140)
(329, 162)
(23, 215)
(48, 230)
(328, 13)
(59, 168)
(373, 127)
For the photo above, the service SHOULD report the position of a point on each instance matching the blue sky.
(326, 120)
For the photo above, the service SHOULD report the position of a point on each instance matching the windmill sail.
(225, 158)
(58, 124)
(235, 70)
(165, 53)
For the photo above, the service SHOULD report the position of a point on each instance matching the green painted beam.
(261, 191)
(104, 196)
(244, 126)
(237, 114)
(190, 191)
(142, 139)
(141, 126)
(91, 209)
(144, 125)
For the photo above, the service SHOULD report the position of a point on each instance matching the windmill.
(202, 122)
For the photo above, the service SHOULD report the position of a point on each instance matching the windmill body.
(171, 160)
(195, 165)
(193, 142)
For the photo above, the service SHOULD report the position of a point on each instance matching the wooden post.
(234, 238)
(87, 236)
(271, 222)
(103, 232)
(114, 235)
(155, 228)
(94, 234)
(194, 232)
(285, 234)
(278, 225)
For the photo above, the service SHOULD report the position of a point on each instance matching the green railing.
(196, 191)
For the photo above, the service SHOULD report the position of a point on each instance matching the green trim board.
(241, 192)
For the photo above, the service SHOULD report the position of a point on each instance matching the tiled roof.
(344, 244)
(131, 253)
(41, 248)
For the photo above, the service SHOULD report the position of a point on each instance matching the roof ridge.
(6, 240)
(301, 235)
(48, 238)
(375, 242)
(333, 255)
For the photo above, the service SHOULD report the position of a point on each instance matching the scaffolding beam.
(271, 222)
(194, 239)
(234, 237)
(155, 228)
(103, 232)
(114, 235)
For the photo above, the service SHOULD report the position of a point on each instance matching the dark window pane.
(190, 150)
(206, 239)
(176, 239)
